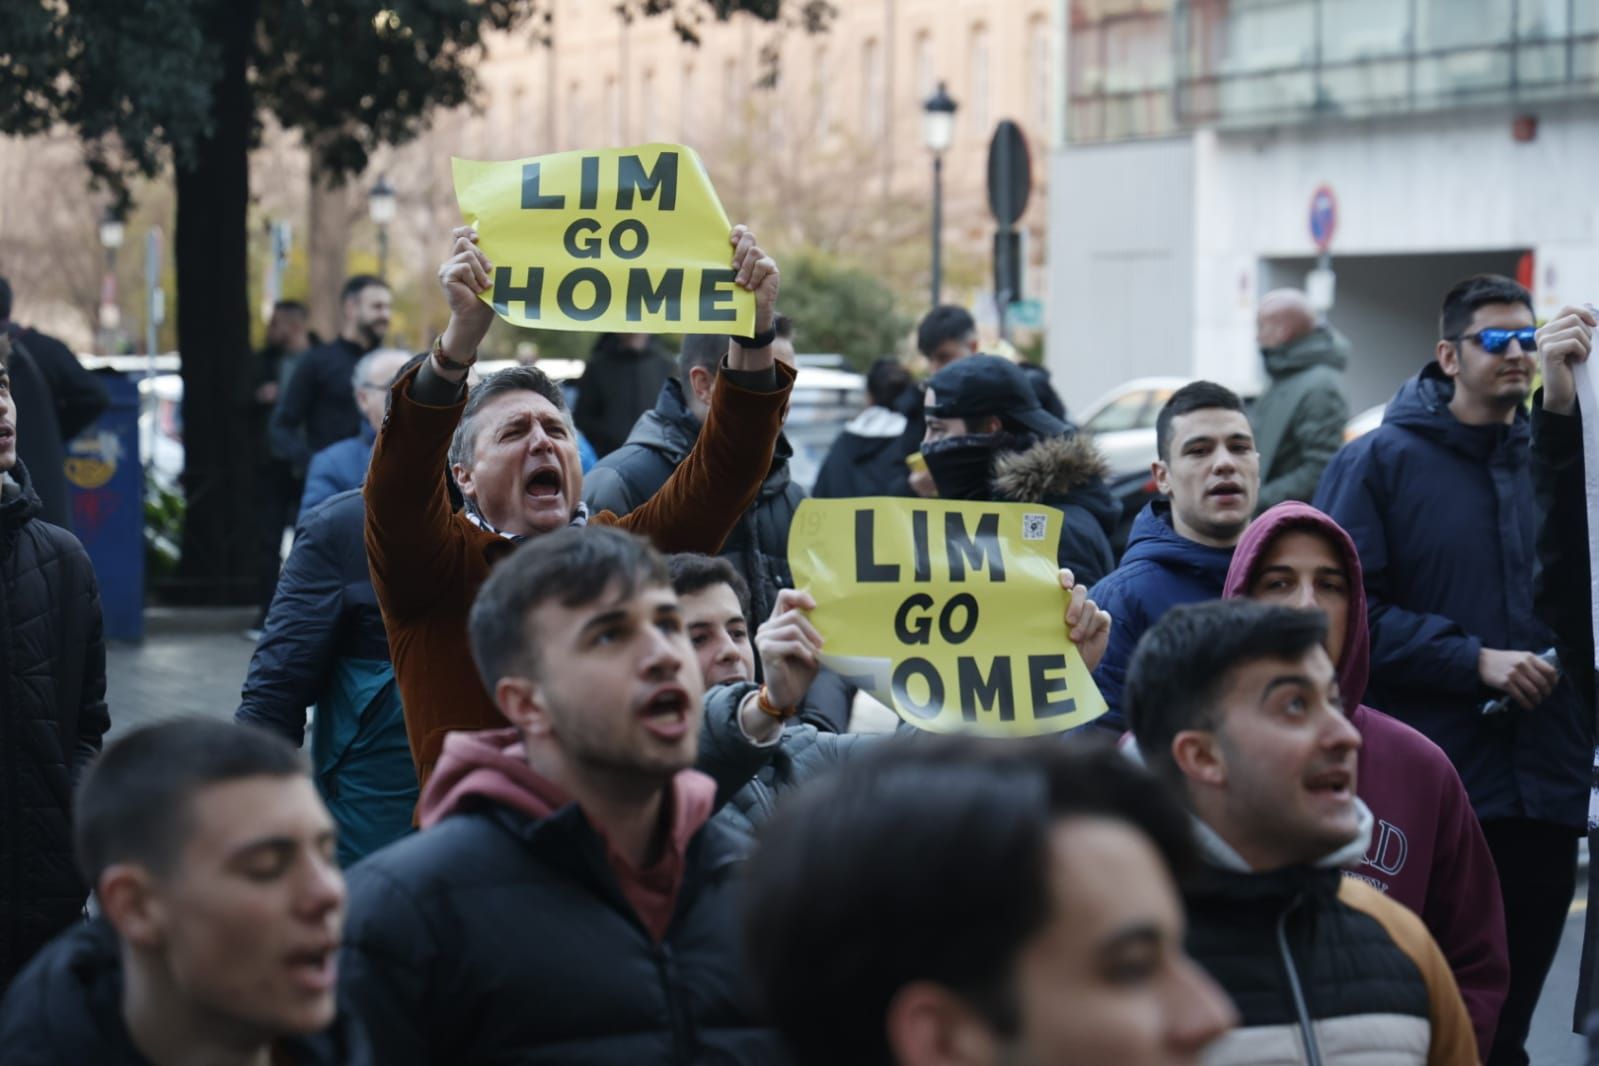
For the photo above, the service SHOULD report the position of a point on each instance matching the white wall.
(1121, 264)
(1137, 227)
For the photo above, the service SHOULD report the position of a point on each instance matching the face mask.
(962, 466)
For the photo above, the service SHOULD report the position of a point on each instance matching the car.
(1364, 422)
(822, 403)
(1122, 426)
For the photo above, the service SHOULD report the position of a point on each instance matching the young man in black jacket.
(568, 898)
(212, 859)
(52, 704)
(1236, 703)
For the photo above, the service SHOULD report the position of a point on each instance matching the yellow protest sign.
(950, 612)
(629, 240)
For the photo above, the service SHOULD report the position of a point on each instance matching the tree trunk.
(213, 190)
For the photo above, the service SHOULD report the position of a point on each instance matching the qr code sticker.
(1033, 527)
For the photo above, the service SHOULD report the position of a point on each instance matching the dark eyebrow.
(600, 621)
(1296, 680)
(1145, 934)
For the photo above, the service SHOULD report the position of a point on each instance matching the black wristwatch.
(763, 339)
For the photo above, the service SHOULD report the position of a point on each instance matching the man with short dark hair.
(1237, 705)
(567, 898)
(1299, 419)
(960, 901)
(511, 448)
(988, 439)
(663, 437)
(52, 703)
(866, 459)
(212, 859)
(1180, 547)
(1439, 500)
(320, 396)
(946, 335)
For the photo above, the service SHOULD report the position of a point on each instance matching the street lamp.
(112, 231)
(938, 129)
(381, 206)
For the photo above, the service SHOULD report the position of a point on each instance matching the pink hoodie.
(1427, 850)
(492, 765)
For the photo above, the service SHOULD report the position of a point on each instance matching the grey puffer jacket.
(803, 753)
(1299, 420)
(52, 718)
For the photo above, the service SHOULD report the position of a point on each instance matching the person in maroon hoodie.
(1427, 850)
(568, 898)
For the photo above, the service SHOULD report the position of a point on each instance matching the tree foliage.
(842, 309)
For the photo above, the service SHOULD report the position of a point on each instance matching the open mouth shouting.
(315, 969)
(1335, 785)
(544, 484)
(1226, 492)
(665, 712)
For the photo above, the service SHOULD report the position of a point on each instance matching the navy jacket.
(338, 468)
(1160, 570)
(325, 644)
(320, 399)
(1444, 517)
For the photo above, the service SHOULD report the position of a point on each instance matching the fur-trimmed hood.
(1052, 467)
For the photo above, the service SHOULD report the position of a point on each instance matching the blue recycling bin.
(107, 484)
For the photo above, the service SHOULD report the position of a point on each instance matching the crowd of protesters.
(581, 790)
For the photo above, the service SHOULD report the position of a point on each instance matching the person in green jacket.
(1299, 420)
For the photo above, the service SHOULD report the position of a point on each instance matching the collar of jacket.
(18, 502)
(1322, 346)
(580, 518)
(1050, 467)
(1422, 406)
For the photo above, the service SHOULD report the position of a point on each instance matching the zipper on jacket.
(682, 1042)
(1306, 1029)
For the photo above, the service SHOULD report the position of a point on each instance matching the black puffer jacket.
(52, 718)
(661, 439)
(67, 1011)
(1066, 473)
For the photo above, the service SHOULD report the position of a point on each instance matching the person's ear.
(521, 700)
(1448, 356)
(928, 1025)
(991, 424)
(463, 480)
(130, 902)
(1198, 756)
(702, 382)
(1162, 475)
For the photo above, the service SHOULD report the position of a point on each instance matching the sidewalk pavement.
(192, 661)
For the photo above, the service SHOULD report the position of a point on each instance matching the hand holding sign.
(1087, 626)
(790, 649)
(462, 277)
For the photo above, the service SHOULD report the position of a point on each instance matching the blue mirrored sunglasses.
(1495, 341)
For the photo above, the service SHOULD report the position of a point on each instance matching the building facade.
(1457, 137)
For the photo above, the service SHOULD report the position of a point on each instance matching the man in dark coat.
(867, 458)
(568, 898)
(662, 438)
(1439, 500)
(321, 394)
(987, 438)
(1299, 419)
(1180, 547)
(325, 645)
(52, 705)
(62, 400)
(221, 906)
(623, 375)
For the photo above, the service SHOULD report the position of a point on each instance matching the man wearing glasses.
(1439, 501)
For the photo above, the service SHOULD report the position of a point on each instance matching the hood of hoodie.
(1354, 663)
(1154, 539)
(877, 423)
(1322, 346)
(671, 429)
(490, 766)
(1422, 406)
(1058, 470)
(71, 1004)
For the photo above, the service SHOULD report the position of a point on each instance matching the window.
(872, 90)
(685, 106)
(977, 105)
(922, 60)
(613, 112)
(647, 129)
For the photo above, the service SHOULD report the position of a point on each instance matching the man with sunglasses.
(1439, 501)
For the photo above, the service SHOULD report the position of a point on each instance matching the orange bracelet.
(782, 714)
